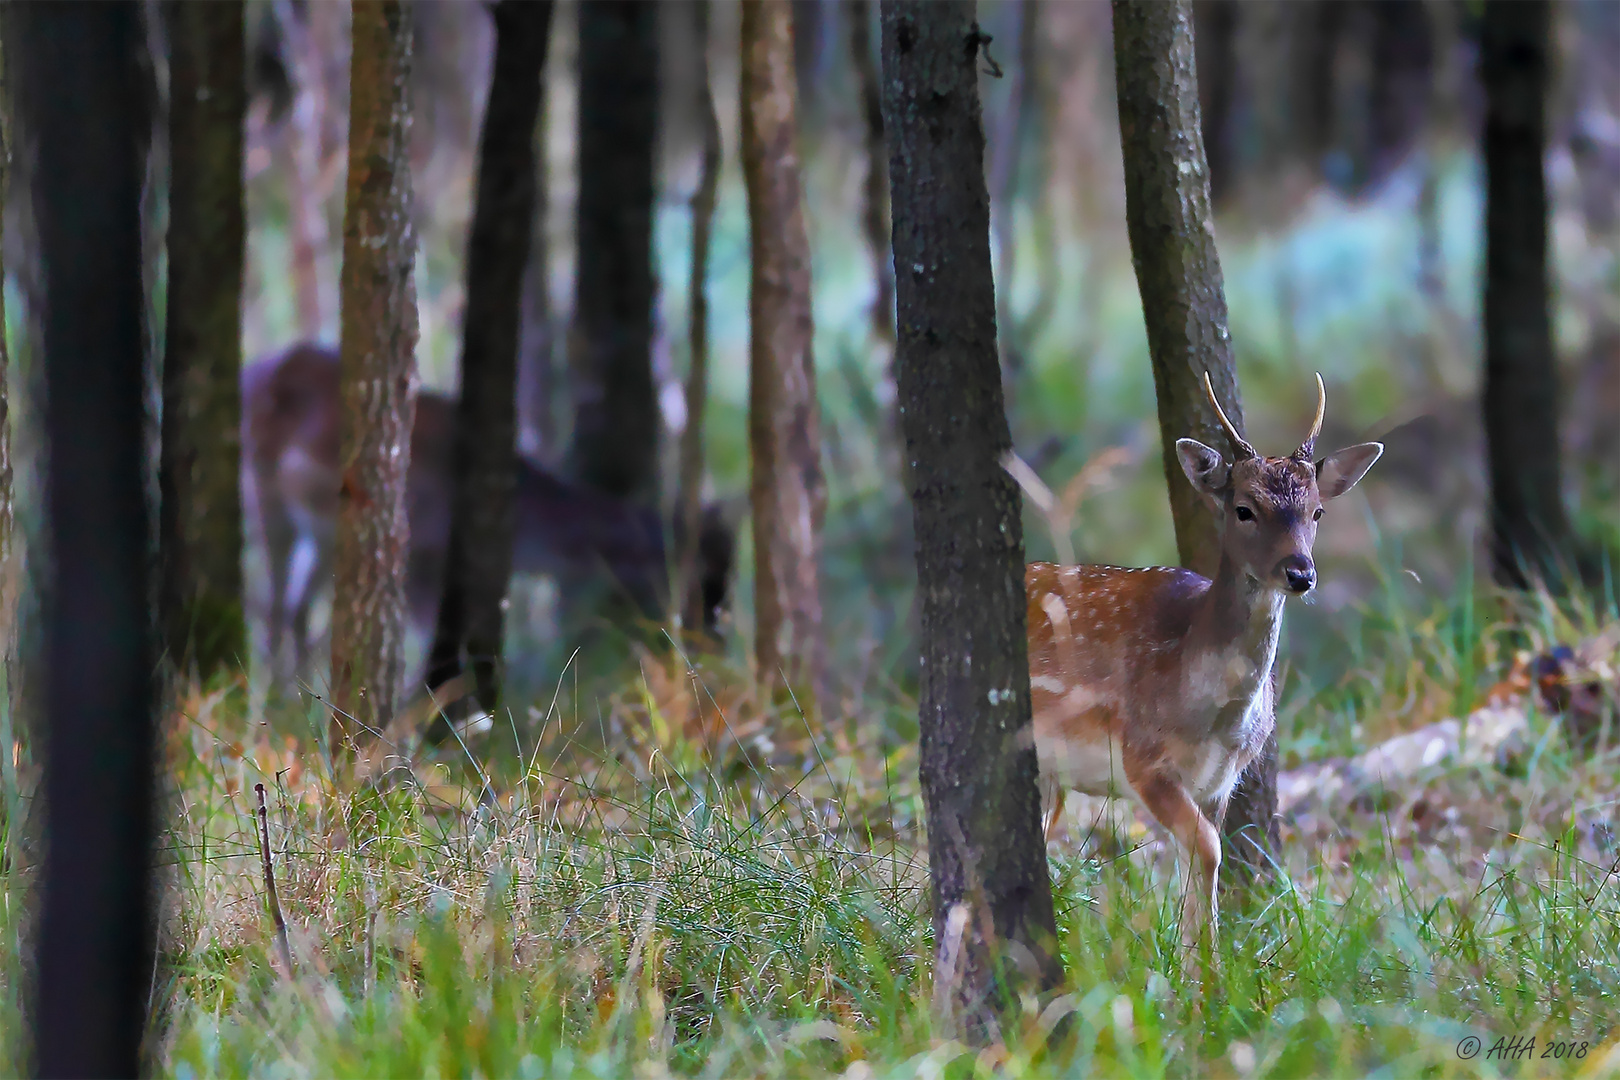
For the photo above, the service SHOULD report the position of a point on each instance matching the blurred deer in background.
(1157, 682)
(290, 487)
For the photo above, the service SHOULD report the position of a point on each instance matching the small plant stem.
(282, 945)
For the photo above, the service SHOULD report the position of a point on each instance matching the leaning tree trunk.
(377, 370)
(1529, 532)
(199, 471)
(1178, 272)
(788, 491)
(83, 112)
(689, 492)
(484, 466)
(616, 418)
(992, 903)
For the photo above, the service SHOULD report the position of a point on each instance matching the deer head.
(1268, 507)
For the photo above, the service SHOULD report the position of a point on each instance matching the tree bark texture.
(616, 417)
(200, 465)
(1178, 272)
(991, 898)
(788, 490)
(82, 110)
(1172, 234)
(377, 375)
(1529, 532)
(484, 464)
(689, 492)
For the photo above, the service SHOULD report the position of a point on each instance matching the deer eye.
(1244, 514)
(1318, 515)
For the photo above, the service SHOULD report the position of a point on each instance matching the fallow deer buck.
(1156, 682)
(290, 441)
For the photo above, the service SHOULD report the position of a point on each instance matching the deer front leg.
(1052, 796)
(1175, 809)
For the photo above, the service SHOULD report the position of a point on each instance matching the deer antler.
(1240, 444)
(1308, 448)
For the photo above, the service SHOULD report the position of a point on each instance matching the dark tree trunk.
(992, 903)
(82, 109)
(689, 493)
(200, 467)
(616, 418)
(875, 188)
(1529, 533)
(1172, 236)
(484, 465)
(377, 375)
(1178, 273)
(537, 353)
(788, 491)
(1216, 27)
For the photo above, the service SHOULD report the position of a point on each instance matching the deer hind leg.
(302, 573)
(1200, 842)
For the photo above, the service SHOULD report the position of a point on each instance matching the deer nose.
(1299, 573)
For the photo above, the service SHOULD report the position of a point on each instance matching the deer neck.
(1235, 632)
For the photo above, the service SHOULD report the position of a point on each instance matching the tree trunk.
(484, 465)
(8, 518)
(616, 417)
(1216, 29)
(1178, 273)
(83, 111)
(200, 466)
(787, 488)
(875, 188)
(689, 494)
(378, 375)
(1529, 532)
(992, 903)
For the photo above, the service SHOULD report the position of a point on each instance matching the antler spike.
(1239, 443)
(1308, 448)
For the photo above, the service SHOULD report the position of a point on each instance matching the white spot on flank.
(1048, 684)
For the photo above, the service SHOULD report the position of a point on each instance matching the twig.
(270, 886)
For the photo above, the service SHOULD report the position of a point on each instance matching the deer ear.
(1203, 467)
(1339, 473)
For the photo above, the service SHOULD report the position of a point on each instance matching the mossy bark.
(377, 373)
(992, 905)
(200, 465)
(1178, 272)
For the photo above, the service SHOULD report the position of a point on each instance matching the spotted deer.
(1155, 682)
(290, 445)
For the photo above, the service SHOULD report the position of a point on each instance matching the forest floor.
(732, 891)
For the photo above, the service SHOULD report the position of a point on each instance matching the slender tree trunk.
(875, 187)
(537, 367)
(81, 107)
(304, 146)
(8, 520)
(1216, 28)
(200, 467)
(1178, 273)
(689, 495)
(484, 465)
(992, 902)
(378, 375)
(616, 417)
(1529, 532)
(787, 488)
(1006, 151)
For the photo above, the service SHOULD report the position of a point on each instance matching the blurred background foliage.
(1345, 162)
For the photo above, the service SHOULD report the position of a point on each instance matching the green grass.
(729, 892)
